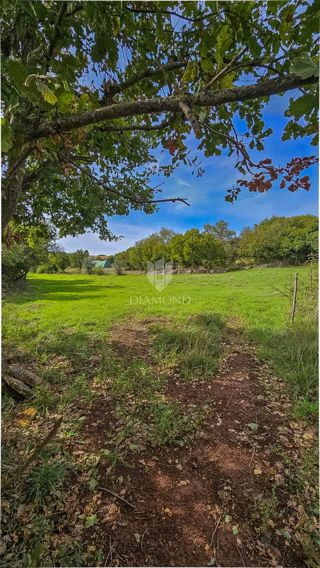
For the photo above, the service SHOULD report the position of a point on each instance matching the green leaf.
(235, 530)
(6, 136)
(301, 106)
(17, 73)
(190, 72)
(93, 484)
(304, 67)
(224, 40)
(83, 101)
(47, 94)
(207, 66)
(65, 101)
(116, 25)
(91, 520)
(227, 81)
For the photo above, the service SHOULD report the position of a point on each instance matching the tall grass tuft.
(293, 351)
(193, 345)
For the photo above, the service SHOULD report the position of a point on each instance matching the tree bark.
(27, 377)
(17, 386)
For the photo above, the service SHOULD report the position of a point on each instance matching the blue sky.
(206, 194)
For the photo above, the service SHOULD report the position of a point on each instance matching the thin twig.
(253, 453)
(111, 545)
(117, 496)
(227, 68)
(216, 528)
(127, 197)
(240, 555)
(232, 395)
(143, 537)
(239, 146)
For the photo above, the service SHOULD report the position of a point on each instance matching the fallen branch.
(116, 496)
(32, 456)
(18, 386)
(27, 377)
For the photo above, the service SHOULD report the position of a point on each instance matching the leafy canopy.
(91, 89)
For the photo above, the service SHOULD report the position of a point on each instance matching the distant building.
(102, 264)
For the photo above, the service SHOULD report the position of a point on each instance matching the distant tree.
(60, 259)
(276, 239)
(176, 249)
(78, 257)
(290, 239)
(220, 231)
(195, 249)
(87, 265)
(166, 235)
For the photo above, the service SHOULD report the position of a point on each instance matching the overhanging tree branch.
(129, 197)
(169, 13)
(266, 87)
(115, 88)
(143, 127)
(233, 141)
(55, 33)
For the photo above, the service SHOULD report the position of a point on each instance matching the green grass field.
(128, 368)
(71, 314)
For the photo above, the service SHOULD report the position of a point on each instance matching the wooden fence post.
(294, 299)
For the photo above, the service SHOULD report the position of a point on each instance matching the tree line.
(284, 240)
(278, 240)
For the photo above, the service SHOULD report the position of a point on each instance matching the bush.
(87, 266)
(118, 268)
(47, 268)
(16, 262)
(98, 271)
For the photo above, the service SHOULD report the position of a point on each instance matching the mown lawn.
(70, 314)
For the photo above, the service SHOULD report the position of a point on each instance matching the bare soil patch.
(235, 491)
(225, 499)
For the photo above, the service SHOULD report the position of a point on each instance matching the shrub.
(98, 271)
(118, 269)
(47, 268)
(87, 266)
(16, 262)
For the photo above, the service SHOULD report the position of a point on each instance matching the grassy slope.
(40, 318)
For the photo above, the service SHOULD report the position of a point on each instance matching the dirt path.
(228, 499)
